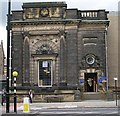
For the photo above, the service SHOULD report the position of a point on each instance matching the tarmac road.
(69, 112)
(84, 108)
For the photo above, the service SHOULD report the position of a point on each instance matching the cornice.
(37, 22)
(95, 21)
(63, 21)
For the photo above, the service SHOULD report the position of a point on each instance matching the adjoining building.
(2, 58)
(112, 45)
(53, 46)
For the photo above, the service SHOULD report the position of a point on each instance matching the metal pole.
(106, 56)
(15, 100)
(8, 54)
(116, 91)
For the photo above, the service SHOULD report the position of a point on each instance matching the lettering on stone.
(46, 27)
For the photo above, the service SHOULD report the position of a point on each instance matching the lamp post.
(115, 79)
(15, 74)
(8, 55)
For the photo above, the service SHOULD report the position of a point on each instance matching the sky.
(109, 5)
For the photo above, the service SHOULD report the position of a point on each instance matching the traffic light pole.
(8, 55)
(15, 100)
(15, 74)
(116, 91)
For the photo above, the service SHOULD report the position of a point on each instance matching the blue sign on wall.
(101, 79)
(81, 80)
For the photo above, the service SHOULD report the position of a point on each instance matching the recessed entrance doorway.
(90, 82)
(45, 73)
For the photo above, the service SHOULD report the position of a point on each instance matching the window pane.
(45, 73)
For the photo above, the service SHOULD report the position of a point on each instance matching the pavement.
(86, 103)
(63, 105)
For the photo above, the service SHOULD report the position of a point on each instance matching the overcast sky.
(109, 5)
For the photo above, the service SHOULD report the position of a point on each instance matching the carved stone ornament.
(44, 49)
(44, 12)
(90, 59)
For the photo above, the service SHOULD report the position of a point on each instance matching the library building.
(54, 47)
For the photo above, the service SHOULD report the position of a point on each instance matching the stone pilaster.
(26, 61)
(72, 60)
(17, 45)
(62, 59)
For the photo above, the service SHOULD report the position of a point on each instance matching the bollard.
(26, 103)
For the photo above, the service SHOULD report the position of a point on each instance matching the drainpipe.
(106, 54)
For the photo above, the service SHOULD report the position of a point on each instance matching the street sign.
(102, 79)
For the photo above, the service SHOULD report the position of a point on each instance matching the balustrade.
(93, 14)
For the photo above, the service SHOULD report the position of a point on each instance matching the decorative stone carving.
(44, 49)
(30, 13)
(91, 60)
(55, 12)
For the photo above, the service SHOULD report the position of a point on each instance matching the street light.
(115, 79)
(15, 74)
(8, 55)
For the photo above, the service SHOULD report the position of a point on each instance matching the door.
(45, 73)
(90, 82)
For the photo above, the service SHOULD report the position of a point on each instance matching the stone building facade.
(56, 46)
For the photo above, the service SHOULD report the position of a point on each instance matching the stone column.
(53, 72)
(36, 72)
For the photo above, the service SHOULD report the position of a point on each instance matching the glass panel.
(44, 64)
(45, 73)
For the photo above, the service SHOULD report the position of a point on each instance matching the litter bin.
(26, 103)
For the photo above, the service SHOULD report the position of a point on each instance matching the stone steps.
(93, 96)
